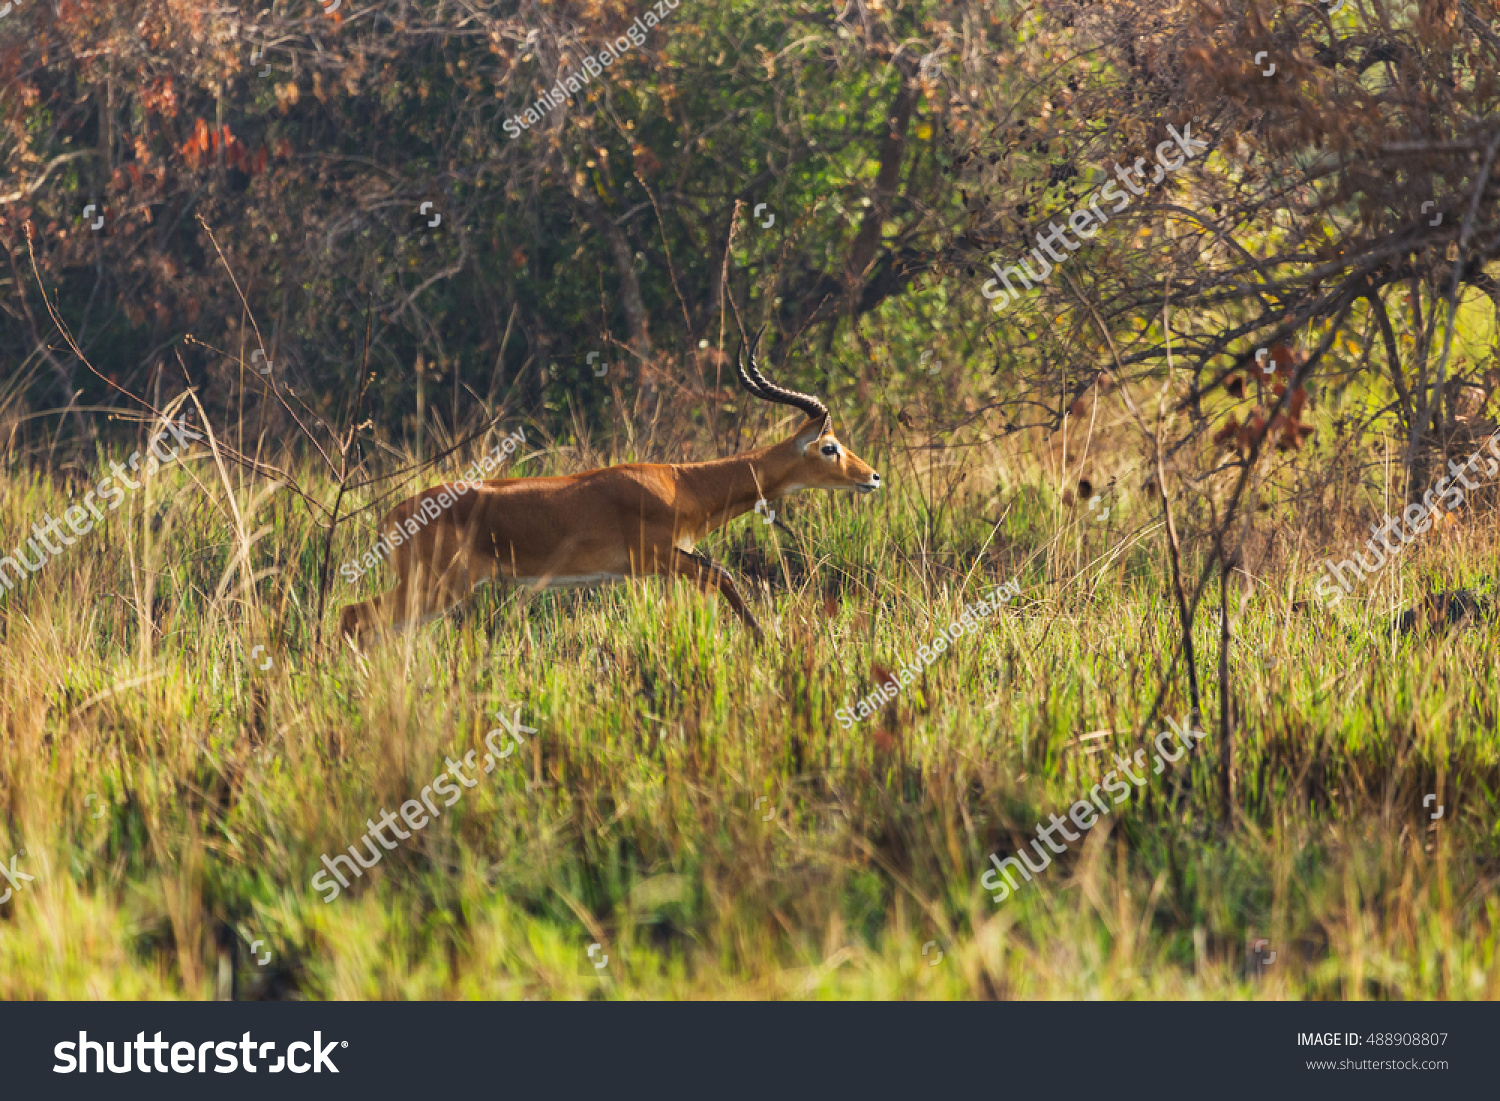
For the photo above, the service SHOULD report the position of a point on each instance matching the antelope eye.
(830, 449)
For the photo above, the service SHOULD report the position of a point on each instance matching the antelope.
(616, 523)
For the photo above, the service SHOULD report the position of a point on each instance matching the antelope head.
(813, 458)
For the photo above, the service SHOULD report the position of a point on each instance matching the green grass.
(631, 819)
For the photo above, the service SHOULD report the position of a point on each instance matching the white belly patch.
(567, 581)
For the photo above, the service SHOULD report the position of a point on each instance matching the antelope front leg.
(703, 573)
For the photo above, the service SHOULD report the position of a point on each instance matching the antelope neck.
(731, 487)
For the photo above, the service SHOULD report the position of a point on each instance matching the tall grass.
(689, 802)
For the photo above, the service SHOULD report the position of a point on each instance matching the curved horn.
(756, 385)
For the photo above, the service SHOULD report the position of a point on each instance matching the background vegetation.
(689, 801)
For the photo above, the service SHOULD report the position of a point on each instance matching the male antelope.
(605, 525)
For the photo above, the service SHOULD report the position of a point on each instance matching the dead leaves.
(1274, 372)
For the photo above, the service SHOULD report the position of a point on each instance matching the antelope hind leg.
(421, 593)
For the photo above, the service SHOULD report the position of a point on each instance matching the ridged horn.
(757, 385)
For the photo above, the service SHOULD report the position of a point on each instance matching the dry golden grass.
(631, 818)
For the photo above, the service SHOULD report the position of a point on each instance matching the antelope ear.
(814, 429)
